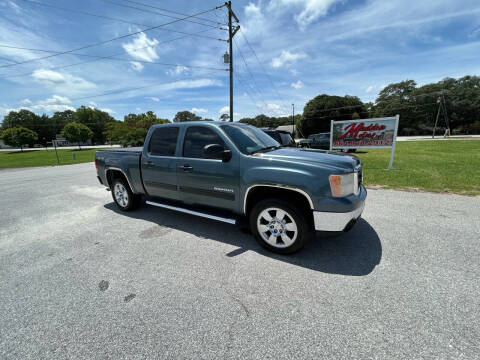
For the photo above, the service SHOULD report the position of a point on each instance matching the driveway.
(81, 280)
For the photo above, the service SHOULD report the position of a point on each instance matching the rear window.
(163, 141)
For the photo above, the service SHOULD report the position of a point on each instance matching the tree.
(133, 130)
(224, 117)
(319, 111)
(183, 116)
(19, 136)
(75, 132)
(95, 120)
(62, 118)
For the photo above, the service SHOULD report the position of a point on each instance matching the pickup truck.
(233, 172)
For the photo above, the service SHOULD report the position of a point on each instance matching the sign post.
(365, 133)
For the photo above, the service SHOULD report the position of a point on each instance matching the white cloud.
(373, 88)
(225, 109)
(107, 110)
(313, 9)
(294, 72)
(49, 76)
(179, 69)
(191, 84)
(271, 106)
(199, 110)
(254, 23)
(15, 7)
(286, 58)
(55, 103)
(61, 81)
(156, 99)
(26, 101)
(142, 48)
(136, 66)
(310, 11)
(297, 85)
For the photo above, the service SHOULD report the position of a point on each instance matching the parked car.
(284, 138)
(320, 141)
(232, 171)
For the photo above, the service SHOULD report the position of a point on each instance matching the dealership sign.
(365, 133)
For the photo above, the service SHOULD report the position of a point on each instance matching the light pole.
(293, 121)
(232, 30)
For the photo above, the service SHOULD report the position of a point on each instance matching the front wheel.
(279, 226)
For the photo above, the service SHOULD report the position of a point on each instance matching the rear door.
(159, 164)
(204, 181)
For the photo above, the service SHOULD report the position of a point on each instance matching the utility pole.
(232, 30)
(441, 107)
(293, 121)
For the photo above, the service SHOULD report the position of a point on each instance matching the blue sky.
(307, 47)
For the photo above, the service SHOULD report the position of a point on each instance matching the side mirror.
(216, 151)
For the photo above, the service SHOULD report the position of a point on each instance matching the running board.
(191, 212)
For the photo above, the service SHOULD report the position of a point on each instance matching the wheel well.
(116, 174)
(259, 193)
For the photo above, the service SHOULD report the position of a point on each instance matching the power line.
(7, 59)
(115, 19)
(110, 58)
(132, 89)
(110, 40)
(90, 61)
(263, 69)
(161, 14)
(113, 92)
(247, 91)
(248, 70)
(173, 12)
(348, 107)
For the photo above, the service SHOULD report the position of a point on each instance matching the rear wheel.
(123, 196)
(279, 226)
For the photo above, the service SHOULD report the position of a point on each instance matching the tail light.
(96, 164)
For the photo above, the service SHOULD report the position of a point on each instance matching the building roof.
(289, 128)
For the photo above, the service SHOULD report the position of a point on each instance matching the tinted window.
(248, 138)
(286, 139)
(196, 138)
(274, 134)
(163, 141)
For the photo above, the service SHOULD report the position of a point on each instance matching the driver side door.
(202, 181)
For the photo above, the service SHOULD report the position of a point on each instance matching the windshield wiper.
(268, 148)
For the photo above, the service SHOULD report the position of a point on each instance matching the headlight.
(343, 185)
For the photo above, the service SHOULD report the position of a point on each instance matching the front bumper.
(334, 221)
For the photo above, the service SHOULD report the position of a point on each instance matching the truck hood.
(326, 159)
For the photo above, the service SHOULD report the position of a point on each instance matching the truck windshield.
(249, 139)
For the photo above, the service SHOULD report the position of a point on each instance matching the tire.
(123, 196)
(270, 222)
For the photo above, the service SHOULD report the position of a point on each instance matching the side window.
(196, 138)
(163, 141)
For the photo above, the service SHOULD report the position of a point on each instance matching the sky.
(286, 52)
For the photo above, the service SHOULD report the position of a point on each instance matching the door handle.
(150, 163)
(186, 167)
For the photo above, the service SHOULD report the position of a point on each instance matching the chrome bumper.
(330, 221)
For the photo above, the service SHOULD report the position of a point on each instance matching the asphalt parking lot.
(82, 280)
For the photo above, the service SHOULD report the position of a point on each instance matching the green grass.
(17, 159)
(437, 166)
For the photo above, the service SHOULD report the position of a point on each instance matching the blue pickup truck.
(232, 172)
